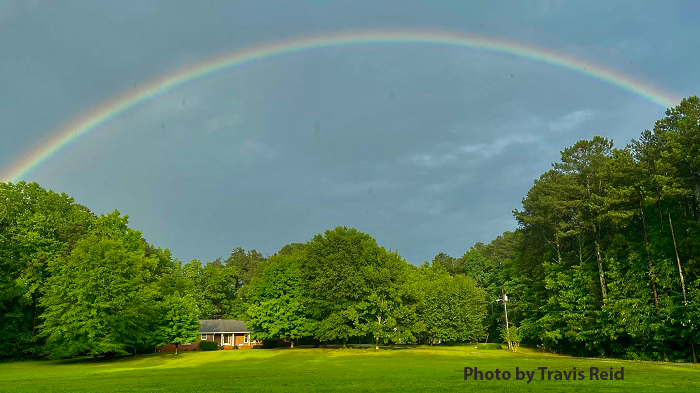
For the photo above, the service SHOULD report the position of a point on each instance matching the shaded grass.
(353, 369)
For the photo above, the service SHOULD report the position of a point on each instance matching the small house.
(227, 333)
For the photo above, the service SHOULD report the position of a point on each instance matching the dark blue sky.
(427, 148)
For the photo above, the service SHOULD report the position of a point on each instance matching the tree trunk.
(379, 320)
(680, 273)
(345, 342)
(580, 251)
(176, 347)
(292, 343)
(660, 210)
(558, 249)
(649, 258)
(35, 314)
(678, 259)
(697, 202)
(601, 274)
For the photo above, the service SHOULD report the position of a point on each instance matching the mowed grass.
(421, 369)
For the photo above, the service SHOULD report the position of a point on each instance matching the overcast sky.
(427, 148)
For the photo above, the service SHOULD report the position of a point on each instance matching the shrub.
(489, 346)
(512, 335)
(208, 345)
(269, 344)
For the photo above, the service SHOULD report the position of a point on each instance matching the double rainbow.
(115, 107)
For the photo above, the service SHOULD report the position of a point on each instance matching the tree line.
(606, 259)
(73, 283)
(605, 262)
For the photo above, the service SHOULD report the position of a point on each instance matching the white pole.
(505, 310)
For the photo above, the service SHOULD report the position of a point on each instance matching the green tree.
(585, 162)
(335, 279)
(387, 312)
(277, 308)
(216, 287)
(178, 321)
(36, 227)
(247, 266)
(451, 308)
(450, 264)
(100, 298)
(356, 288)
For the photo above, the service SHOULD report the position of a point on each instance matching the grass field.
(419, 369)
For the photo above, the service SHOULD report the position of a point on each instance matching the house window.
(227, 339)
(246, 339)
(203, 337)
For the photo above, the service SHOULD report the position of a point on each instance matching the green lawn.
(301, 370)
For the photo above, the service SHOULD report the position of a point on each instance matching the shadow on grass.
(340, 347)
(393, 347)
(104, 358)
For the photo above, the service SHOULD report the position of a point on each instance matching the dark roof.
(222, 326)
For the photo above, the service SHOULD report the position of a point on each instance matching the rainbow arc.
(72, 130)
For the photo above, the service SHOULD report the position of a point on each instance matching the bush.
(269, 344)
(512, 335)
(489, 346)
(208, 345)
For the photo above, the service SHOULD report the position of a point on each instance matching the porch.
(229, 340)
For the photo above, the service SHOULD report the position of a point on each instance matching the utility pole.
(505, 311)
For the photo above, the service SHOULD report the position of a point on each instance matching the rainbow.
(72, 130)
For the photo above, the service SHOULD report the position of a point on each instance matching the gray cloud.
(427, 148)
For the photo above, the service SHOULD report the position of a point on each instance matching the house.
(225, 332)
